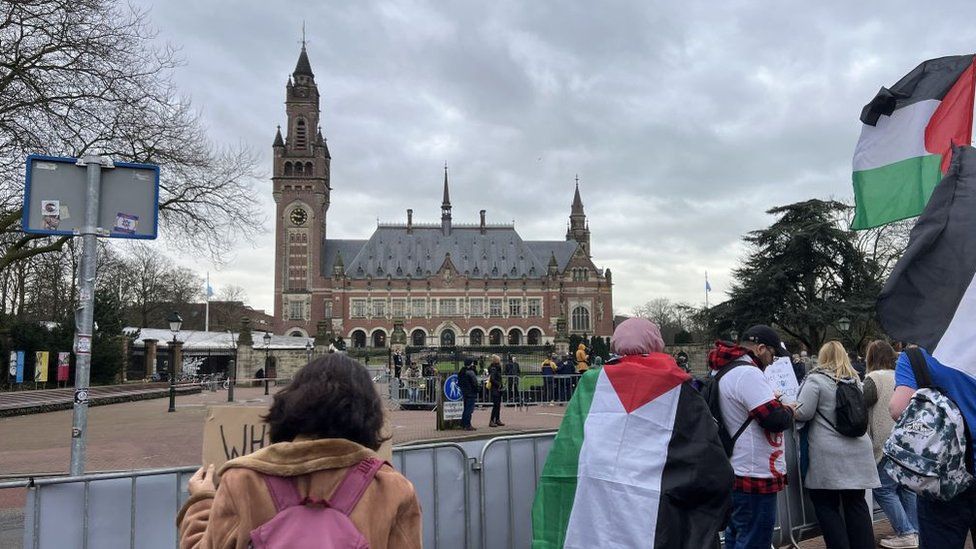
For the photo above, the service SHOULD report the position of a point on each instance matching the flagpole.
(706, 290)
(206, 317)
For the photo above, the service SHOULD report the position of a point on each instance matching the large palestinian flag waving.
(907, 139)
(930, 297)
(637, 462)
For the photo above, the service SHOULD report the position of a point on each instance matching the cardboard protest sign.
(234, 431)
(781, 377)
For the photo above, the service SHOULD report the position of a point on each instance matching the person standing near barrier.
(841, 456)
(468, 383)
(650, 470)
(548, 370)
(495, 391)
(512, 373)
(751, 409)
(413, 382)
(897, 502)
(325, 428)
(582, 359)
(564, 385)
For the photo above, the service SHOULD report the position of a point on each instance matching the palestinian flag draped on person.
(907, 138)
(930, 297)
(637, 461)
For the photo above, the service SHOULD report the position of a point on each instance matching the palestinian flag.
(930, 297)
(907, 139)
(637, 462)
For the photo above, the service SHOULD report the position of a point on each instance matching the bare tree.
(232, 293)
(84, 76)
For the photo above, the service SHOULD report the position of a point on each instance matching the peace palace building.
(442, 284)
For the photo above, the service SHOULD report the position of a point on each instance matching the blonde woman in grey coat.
(841, 467)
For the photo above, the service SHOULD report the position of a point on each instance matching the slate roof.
(391, 250)
(303, 66)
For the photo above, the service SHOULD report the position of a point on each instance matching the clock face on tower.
(298, 216)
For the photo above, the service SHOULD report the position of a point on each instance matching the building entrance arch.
(447, 338)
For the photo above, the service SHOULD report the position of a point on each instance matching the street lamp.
(843, 324)
(233, 372)
(175, 323)
(267, 367)
(308, 351)
(734, 335)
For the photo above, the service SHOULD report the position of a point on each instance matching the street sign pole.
(86, 310)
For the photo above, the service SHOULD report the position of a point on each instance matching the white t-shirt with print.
(757, 453)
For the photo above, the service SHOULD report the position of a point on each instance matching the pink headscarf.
(636, 336)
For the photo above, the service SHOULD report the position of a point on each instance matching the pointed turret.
(578, 229)
(553, 268)
(303, 67)
(446, 207)
(577, 201)
(278, 141)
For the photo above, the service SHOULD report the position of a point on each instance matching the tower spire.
(446, 206)
(577, 201)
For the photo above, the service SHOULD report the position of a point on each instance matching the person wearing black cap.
(752, 410)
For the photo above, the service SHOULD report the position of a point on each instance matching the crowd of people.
(327, 425)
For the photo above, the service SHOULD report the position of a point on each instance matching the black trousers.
(844, 518)
(496, 406)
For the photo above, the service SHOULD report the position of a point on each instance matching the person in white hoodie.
(897, 502)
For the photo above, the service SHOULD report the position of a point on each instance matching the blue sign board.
(20, 366)
(452, 390)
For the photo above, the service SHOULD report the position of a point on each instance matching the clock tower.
(301, 189)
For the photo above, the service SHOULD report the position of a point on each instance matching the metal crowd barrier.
(481, 502)
(522, 390)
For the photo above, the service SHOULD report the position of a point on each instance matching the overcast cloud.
(684, 121)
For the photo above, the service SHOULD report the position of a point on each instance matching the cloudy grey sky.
(685, 121)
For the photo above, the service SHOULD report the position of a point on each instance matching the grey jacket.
(837, 462)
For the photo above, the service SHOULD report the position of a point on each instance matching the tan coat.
(388, 514)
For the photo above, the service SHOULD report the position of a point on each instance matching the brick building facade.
(442, 284)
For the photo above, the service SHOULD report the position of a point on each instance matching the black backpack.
(710, 393)
(851, 415)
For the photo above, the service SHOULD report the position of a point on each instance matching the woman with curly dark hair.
(326, 427)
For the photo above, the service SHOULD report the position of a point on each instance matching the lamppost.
(267, 363)
(734, 335)
(843, 325)
(175, 323)
(233, 372)
(308, 351)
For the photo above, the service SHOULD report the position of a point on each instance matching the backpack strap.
(354, 485)
(283, 492)
(919, 367)
(718, 377)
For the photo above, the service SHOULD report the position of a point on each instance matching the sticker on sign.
(126, 223)
(81, 396)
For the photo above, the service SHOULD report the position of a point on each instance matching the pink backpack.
(307, 524)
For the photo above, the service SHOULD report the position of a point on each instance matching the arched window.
(299, 170)
(418, 338)
(534, 337)
(359, 339)
(289, 169)
(447, 338)
(581, 319)
(515, 336)
(308, 168)
(495, 337)
(379, 338)
(301, 134)
(476, 337)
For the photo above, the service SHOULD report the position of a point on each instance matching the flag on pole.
(930, 297)
(632, 465)
(907, 138)
(40, 367)
(708, 287)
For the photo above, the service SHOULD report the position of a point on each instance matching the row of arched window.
(448, 338)
(299, 168)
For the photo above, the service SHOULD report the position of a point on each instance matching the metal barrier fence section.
(509, 467)
(439, 473)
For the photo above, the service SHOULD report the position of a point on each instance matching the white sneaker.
(905, 541)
